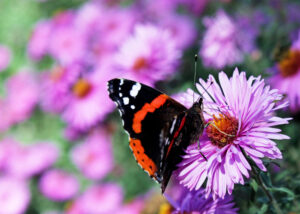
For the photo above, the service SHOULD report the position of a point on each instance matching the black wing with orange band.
(147, 116)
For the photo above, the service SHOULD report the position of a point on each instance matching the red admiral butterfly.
(159, 127)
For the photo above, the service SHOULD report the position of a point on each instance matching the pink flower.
(101, 199)
(14, 195)
(39, 40)
(55, 87)
(58, 185)
(20, 100)
(246, 115)
(287, 75)
(7, 148)
(94, 157)
(149, 55)
(5, 57)
(24, 162)
(67, 45)
(88, 104)
(219, 45)
(182, 29)
(134, 207)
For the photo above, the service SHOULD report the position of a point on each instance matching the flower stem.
(259, 180)
(266, 191)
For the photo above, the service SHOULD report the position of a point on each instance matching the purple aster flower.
(182, 29)
(219, 45)
(134, 207)
(101, 199)
(5, 57)
(58, 185)
(14, 194)
(94, 156)
(24, 162)
(7, 148)
(67, 45)
(149, 55)
(20, 100)
(241, 116)
(196, 202)
(88, 104)
(287, 75)
(55, 87)
(39, 41)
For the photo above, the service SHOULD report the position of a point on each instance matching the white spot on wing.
(132, 107)
(126, 100)
(120, 95)
(121, 81)
(135, 89)
(173, 125)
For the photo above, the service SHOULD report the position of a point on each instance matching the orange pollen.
(290, 64)
(139, 63)
(81, 88)
(223, 130)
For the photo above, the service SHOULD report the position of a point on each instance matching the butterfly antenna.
(195, 72)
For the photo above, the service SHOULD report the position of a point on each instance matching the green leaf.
(254, 185)
(290, 194)
(263, 209)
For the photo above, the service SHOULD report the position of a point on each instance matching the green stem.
(259, 180)
(266, 190)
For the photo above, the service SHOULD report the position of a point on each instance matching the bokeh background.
(62, 146)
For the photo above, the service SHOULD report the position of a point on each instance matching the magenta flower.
(196, 202)
(88, 104)
(67, 45)
(55, 87)
(287, 76)
(58, 185)
(134, 207)
(220, 44)
(24, 162)
(247, 115)
(101, 199)
(14, 195)
(182, 29)
(5, 57)
(94, 157)
(39, 41)
(149, 55)
(20, 100)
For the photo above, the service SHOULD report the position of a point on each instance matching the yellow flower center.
(165, 208)
(222, 130)
(139, 63)
(82, 88)
(290, 64)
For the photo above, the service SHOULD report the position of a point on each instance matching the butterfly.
(160, 128)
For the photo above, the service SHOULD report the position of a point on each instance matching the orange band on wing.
(141, 114)
(139, 153)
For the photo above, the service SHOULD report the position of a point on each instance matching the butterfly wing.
(147, 116)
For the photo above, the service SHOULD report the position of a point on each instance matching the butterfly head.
(198, 105)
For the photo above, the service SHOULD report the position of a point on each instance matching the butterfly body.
(159, 128)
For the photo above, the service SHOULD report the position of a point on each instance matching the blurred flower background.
(62, 145)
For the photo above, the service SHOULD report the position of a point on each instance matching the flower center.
(290, 64)
(222, 131)
(139, 63)
(57, 73)
(82, 88)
